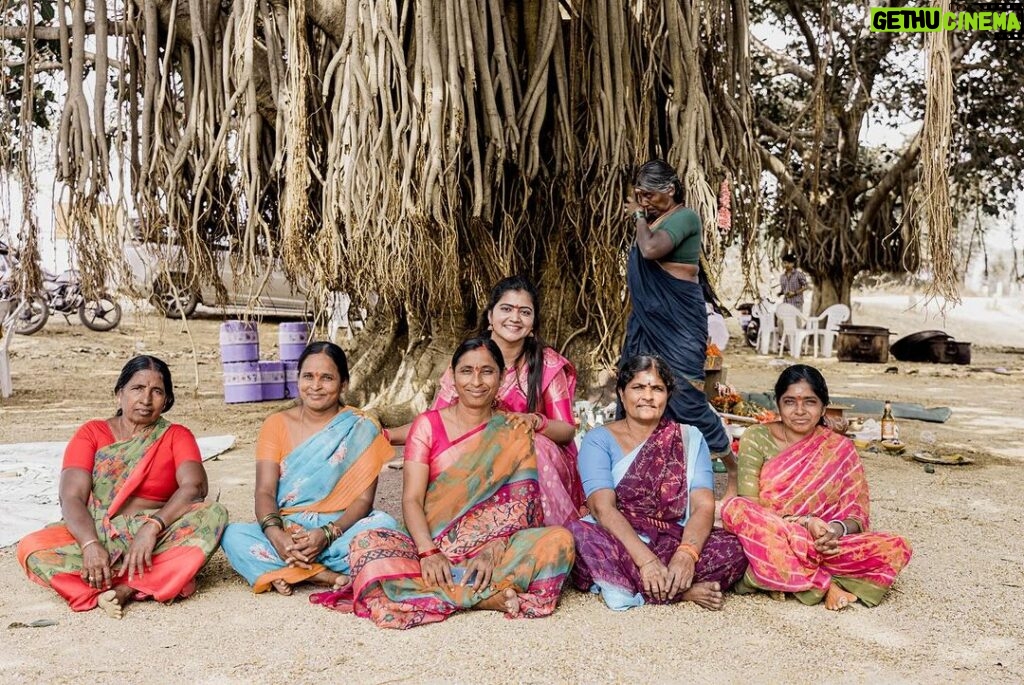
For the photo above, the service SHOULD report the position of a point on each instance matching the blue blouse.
(599, 452)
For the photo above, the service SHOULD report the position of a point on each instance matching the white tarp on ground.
(29, 472)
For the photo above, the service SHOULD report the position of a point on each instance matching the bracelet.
(690, 549)
(429, 553)
(648, 562)
(846, 530)
(543, 423)
(329, 534)
(150, 519)
(94, 541)
(163, 526)
(273, 520)
(639, 214)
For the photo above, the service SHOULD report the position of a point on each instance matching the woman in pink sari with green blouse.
(537, 388)
(803, 511)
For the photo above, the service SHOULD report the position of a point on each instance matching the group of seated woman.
(492, 502)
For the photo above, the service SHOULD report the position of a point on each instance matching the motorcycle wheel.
(33, 315)
(100, 314)
(750, 334)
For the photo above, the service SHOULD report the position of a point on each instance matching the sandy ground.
(953, 615)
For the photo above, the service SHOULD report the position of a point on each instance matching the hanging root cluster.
(411, 153)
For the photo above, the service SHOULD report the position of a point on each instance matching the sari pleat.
(819, 476)
(52, 557)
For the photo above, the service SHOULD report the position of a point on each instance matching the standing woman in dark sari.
(669, 316)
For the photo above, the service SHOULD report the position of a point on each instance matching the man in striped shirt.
(792, 282)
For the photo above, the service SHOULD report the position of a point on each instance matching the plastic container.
(239, 342)
(291, 380)
(292, 338)
(272, 380)
(242, 382)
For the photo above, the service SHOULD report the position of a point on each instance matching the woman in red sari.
(134, 524)
(802, 514)
(537, 388)
(471, 505)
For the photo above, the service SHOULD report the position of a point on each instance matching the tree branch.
(90, 58)
(788, 64)
(812, 43)
(889, 180)
(782, 135)
(778, 170)
(116, 28)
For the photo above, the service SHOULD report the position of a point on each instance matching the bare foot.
(341, 581)
(837, 598)
(281, 586)
(114, 601)
(707, 595)
(506, 601)
(330, 578)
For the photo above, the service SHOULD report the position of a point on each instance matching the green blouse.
(756, 447)
(684, 227)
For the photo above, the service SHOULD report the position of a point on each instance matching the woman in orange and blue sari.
(803, 511)
(472, 511)
(316, 475)
(134, 524)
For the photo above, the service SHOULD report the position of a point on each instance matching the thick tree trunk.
(831, 288)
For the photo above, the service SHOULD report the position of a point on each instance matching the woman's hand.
(140, 553)
(436, 570)
(96, 571)
(484, 562)
(307, 544)
(655, 577)
(282, 540)
(826, 539)
(680, 573)
(529, 421)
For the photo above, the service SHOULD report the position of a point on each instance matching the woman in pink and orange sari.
(537, 388)
(803, 511)
(471, 505)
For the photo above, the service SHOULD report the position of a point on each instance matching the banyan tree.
(408, 152)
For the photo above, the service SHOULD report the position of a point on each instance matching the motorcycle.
(750, 322)
(62, 294)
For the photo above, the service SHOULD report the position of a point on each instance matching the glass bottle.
(890, 429)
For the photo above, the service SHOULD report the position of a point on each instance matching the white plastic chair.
(765, 313)
(8, 315)
(833, 317)
(794, 332)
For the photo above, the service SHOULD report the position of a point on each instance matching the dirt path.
(952, 616)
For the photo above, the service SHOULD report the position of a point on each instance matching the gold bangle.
(93, 541)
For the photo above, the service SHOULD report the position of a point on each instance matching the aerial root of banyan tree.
(411, 152)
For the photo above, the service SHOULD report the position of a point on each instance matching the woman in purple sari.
(650, 489)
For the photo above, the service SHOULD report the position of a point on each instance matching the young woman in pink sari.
(803, 510)
(537, 389)
(470, 501)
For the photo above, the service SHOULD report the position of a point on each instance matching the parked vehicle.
(750, 322)
(160, 271)
(61, 294)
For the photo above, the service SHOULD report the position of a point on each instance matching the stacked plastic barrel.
(249, 379)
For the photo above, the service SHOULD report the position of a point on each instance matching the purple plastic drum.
(292, 340)
(239, 342)
(272, 380)
(242, 382)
